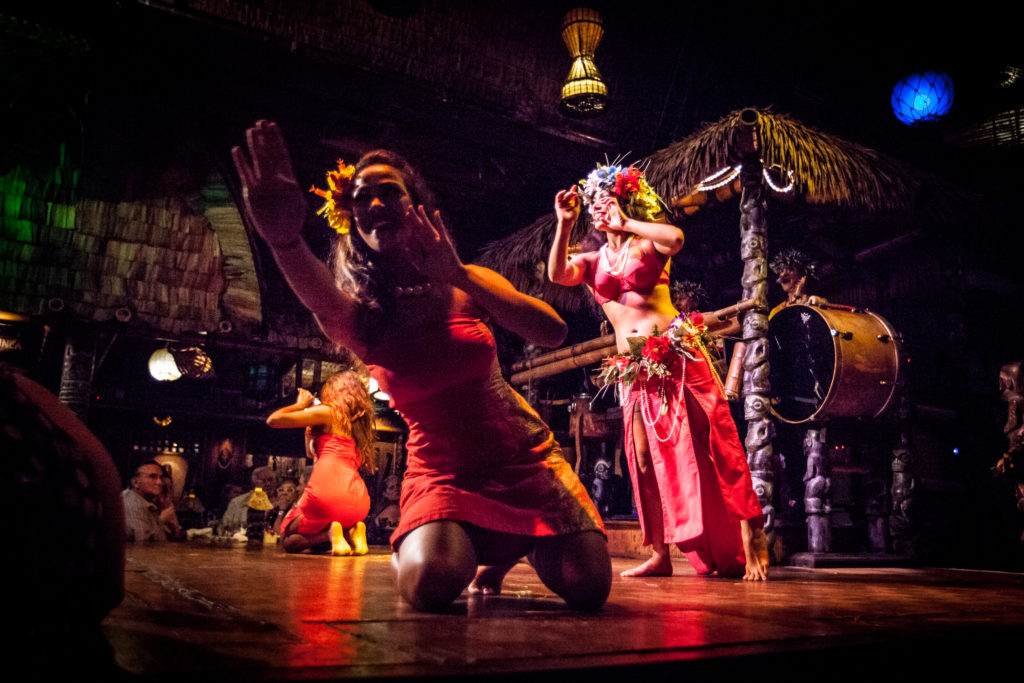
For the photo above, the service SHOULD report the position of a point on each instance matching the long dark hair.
(352, 412)
(351, 260)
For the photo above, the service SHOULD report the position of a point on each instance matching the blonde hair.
(352, 413)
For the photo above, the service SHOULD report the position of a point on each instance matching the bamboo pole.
(577, 361)
(565, 352)
(593, 350)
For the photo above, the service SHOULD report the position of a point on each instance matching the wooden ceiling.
(469, 90)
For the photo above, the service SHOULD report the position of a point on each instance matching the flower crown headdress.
(338, 183)
(628, 184)
(794, 259)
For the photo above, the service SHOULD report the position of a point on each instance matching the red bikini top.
(638, 274)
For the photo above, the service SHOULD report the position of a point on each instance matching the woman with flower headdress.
(340, 433)
(689, 471)
(485, 481)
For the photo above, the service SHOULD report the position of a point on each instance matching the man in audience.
(145, 519)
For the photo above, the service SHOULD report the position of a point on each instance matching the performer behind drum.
(797, 273)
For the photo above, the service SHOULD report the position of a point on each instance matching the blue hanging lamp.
(922, 97)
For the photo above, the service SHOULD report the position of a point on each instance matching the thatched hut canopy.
(829, 175)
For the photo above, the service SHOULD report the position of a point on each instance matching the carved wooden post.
(753, 247)
(902, 526)
(77, 372)
(817, 483)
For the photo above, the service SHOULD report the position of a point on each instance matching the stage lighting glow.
(922, 97)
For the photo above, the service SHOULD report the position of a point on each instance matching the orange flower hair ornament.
(338, 183)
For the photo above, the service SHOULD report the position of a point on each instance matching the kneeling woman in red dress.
(335, 500)
(485, 482)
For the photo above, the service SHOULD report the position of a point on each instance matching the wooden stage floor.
(199, 611)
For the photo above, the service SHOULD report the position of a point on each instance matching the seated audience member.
(147, 518)
(191, 511)
(238, 509)
(284, 499)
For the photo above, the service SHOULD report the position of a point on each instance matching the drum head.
(802, 359)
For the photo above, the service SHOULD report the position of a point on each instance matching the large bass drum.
(831, 361)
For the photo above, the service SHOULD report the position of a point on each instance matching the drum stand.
(898, 531)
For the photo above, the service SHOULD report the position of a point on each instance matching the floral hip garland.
(629, 185)
(338, 183)
(657, 356)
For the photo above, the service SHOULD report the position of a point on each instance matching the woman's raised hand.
(430, 249)
(273, 200)
(305, 398)
(607, 214)
(567, 206)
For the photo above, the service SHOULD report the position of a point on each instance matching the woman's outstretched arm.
(276, 208)
(302, 413)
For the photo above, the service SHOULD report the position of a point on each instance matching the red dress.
(477, 452)
(704, 480)
(335, 491)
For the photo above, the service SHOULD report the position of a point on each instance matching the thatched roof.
(518, 256)
(829, 174)
(827, 170)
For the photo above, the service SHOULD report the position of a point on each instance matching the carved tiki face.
(1010, 379)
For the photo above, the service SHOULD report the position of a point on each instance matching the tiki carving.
(902, 523)
(1011, 464)
(754, 406)
(756, 388)
(77, 373)
(817, 483)
(875, 509)
(1011, 390)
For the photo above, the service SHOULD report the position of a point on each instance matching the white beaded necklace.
(645, 407)
(623, 257)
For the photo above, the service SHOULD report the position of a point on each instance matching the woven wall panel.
(156, 258)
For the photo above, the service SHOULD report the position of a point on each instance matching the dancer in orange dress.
(485, 483)
(689, 471)
(340, 436)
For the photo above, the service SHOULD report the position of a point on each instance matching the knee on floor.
(432, 583)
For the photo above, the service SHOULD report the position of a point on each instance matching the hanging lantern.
(162, 366)
(171, 363)
(584, 94)
(922, 97)
(193, 362)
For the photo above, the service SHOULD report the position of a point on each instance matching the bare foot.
(657, 565)
(488, 580)
(357, 537)
(755, 548)
(339, 546)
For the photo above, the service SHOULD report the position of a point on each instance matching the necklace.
(414, 290)
(623, 257)
(645, 406)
